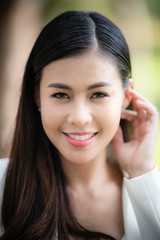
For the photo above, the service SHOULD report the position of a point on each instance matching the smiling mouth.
(80, 137)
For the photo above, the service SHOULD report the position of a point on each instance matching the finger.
(145, 106)
(151, 111)
(141, 112)
(138, 100)
(128, 114)
(136, 96)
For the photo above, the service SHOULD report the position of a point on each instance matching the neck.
(91, 174)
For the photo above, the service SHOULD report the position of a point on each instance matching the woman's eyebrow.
(60, 85)
(64, 86)
(99, 84)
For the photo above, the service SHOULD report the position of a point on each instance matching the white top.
(141, 205)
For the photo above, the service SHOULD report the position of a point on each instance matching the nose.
(80, 114)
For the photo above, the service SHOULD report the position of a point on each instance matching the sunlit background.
(22, 20)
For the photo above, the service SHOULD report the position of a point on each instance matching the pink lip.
(79, 143)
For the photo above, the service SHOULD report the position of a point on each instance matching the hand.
(136, 157)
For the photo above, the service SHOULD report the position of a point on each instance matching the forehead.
(87, 67)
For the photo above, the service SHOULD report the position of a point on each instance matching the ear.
(37, 97)
(127, 96)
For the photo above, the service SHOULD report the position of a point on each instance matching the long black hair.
(35, 204)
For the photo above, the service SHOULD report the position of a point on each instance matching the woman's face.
(81, 99)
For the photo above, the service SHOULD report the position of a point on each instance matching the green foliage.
(157, 77)
(54, 7)
(157, 153)
(148, 83)
(157, 99)
(154, 7)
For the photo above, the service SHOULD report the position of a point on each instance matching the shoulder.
(141, 198)
(3, 166)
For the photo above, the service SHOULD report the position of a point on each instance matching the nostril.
(79, 117)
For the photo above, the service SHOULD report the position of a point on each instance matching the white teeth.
(81, 137)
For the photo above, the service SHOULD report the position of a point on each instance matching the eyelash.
(61, 95)
(100, 95)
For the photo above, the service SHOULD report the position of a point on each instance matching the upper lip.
(80, 133)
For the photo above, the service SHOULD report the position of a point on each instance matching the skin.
(84, 109)
(79, 109)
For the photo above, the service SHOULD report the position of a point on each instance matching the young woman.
(77, 169)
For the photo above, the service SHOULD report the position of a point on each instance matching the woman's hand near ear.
(136, 157)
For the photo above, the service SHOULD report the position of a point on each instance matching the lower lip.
(80, 143)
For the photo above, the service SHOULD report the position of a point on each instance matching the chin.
(76, 159)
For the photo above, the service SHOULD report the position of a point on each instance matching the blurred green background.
(139, 20)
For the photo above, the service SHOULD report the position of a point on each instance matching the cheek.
(51, 117)
(110, 116)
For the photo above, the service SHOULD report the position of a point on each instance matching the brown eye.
(60, 95)
(99, 95)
